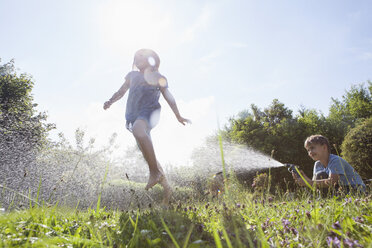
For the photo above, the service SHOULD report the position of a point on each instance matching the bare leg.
(141, 133)
(164, 183)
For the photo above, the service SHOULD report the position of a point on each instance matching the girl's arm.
(172, 103)
(119, 94)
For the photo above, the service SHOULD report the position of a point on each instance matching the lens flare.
(154, 118)
(162, 82)
(155, 78)
(151, 61)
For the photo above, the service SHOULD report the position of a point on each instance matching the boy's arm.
(325, 183)
(299, 180)
(336, 169)
(119, 94)
(172, 104)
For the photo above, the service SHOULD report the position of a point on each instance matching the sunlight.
(122, 28)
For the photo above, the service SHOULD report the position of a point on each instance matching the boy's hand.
(106, 105)
(294, 176)
(183, 121)
(299, 180)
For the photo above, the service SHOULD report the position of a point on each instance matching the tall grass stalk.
(77, 205)
(226, 236)
(269, 182)
(216, 237)
(269, 177)
(135, 234)
(223, 163)
(19, 194)
(38, 190)
(188, 235)
(102, 185)
(302, 177)
(169, 233)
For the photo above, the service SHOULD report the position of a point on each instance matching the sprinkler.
(292, 168)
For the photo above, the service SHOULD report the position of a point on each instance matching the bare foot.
(167, 191)
(153, 180)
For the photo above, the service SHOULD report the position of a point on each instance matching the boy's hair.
(317, 139)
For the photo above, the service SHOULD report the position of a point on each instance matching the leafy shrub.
(260, 182)
(357, 148)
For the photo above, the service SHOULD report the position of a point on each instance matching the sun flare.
(122, 25)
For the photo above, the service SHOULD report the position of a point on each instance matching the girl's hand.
(183, 121)
(106, 105)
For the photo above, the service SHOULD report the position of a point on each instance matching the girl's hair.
(152, 60)
(317, 139)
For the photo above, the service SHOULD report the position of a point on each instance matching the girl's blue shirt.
(143, 97)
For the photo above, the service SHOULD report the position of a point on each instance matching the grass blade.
(169, 233)
(100, 193)
(226, 236)
(216, 237)
(188, 236)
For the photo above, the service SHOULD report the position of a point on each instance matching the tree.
(355, 104)
(357, 148)
(23, 130)
(276, 113)
(274, 132)
(313, 122)
(275, 128)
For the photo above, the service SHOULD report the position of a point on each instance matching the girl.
(142, 111)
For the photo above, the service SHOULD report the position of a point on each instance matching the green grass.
(239, 219)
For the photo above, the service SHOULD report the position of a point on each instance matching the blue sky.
(219, 57)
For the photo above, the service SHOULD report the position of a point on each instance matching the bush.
(357, 147)
(23, 130)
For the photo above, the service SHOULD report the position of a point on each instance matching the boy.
(329, 169)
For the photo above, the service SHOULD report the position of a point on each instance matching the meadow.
(54, 194)
(75, 198)
(236, 218)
